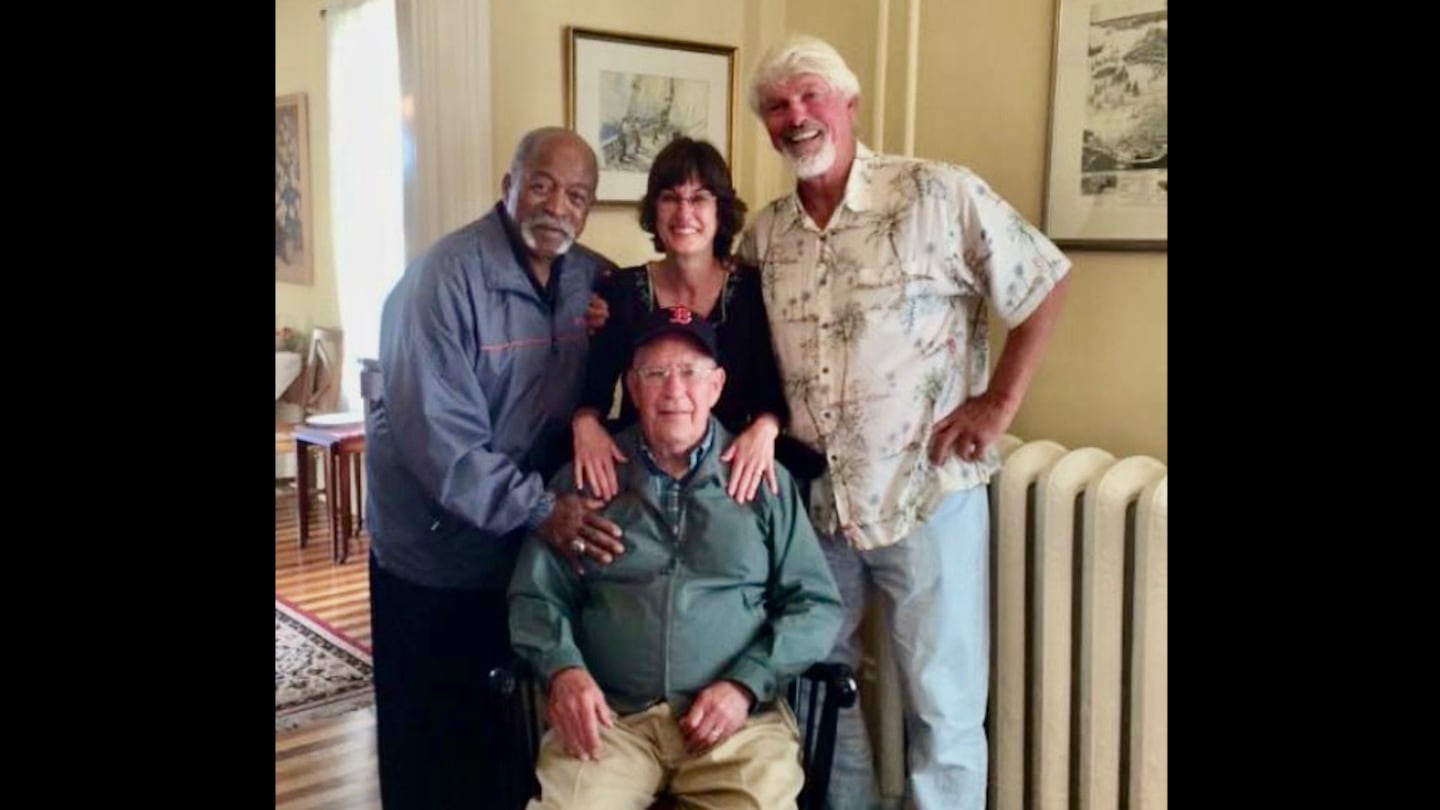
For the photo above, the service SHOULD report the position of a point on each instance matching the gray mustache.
(547, 221)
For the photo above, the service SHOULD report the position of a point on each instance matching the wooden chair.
(318, 385)
(323, 367)
(343, 446)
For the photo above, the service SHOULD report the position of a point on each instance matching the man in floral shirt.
(877, 272)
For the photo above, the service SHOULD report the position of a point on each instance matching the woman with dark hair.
(694, 216)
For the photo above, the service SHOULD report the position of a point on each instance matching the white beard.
(527, 234)
(813, 165)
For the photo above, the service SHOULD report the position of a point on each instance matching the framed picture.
(1107, 170)
(294, 238)
(628, 96)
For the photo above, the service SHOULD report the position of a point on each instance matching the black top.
(752, 379)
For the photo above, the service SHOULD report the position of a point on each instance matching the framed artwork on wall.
(1107, 169)
(294, 237)
(628, 96)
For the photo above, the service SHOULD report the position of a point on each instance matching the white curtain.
(366, 188)
(445, 78)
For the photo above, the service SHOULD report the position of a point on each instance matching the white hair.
(796, 56)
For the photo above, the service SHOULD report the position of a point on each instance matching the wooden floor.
(329, 764)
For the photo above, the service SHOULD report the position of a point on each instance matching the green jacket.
(735, 591)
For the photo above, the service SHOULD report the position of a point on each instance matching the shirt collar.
(859, 192)
(697, 453)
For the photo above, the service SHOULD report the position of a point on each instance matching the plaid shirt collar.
(697, 453)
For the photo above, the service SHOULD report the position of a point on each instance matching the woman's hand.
(597, 313)
(595, 456)
(752, 457)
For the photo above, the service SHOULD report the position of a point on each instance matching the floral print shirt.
(879, 323)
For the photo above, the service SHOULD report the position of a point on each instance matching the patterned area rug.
(318, 672)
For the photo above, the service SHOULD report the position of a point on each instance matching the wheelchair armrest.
(506, 678)
(512, 685)
(839, 680)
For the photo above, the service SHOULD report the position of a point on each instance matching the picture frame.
(294, 234)
(628, 95)
(1107, 184)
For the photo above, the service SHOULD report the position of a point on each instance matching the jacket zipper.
(675, 535)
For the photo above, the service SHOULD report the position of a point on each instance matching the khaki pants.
(757, 768)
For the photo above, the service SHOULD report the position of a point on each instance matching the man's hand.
(597, 313)
(970, 428)
(577, 710)
(718, 711)
(573, 528)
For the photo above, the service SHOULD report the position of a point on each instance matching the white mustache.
(547, 221)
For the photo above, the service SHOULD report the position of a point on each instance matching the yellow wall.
(1104, 382)
(983, 88)
(300, 68)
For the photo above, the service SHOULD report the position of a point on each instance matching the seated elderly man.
(664, 662)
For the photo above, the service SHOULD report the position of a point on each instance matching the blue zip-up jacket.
(481, 376)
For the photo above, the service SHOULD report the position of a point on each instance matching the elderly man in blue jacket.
(482, 348)
(664, 665)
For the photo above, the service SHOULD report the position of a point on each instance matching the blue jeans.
(934, 587)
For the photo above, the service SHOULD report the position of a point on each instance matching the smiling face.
(674, 384)
(690, 202)
(810, 123)
(549, 195)
(685, 219)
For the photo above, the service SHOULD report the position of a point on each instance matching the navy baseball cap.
(677, 321)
